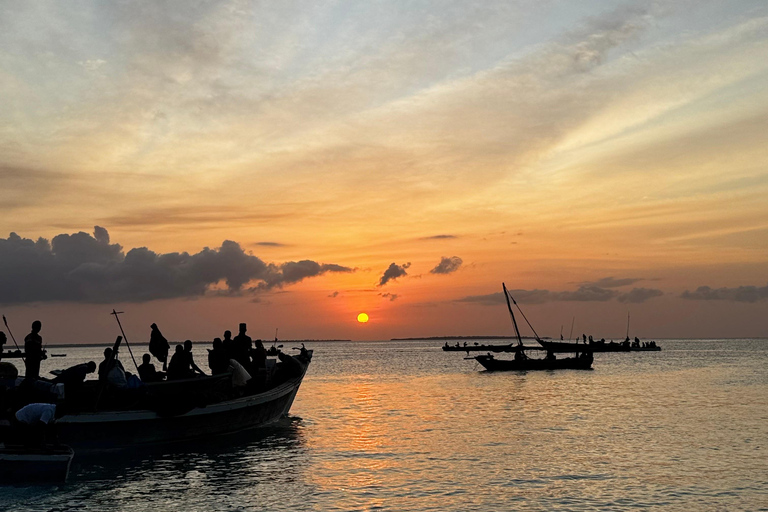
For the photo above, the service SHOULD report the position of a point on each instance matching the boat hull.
(492, 364)
(115, 430)
(27, 466)
(564, 346)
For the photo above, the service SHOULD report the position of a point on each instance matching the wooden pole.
(124, 337)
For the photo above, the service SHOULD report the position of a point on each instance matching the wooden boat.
(47, 464)
(173, 411)
(490, 363)
(522, 362)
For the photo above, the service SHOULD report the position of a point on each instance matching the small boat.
(47, 464)
(479, 348)
(524, 364)
(521, 362)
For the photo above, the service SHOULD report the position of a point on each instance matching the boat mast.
(514, 322)
(627, 324)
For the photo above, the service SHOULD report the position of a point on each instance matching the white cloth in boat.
(32, 413)
(239, 374)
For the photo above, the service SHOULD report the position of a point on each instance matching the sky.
(293, 164)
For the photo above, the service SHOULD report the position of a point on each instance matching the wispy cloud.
(738, 294)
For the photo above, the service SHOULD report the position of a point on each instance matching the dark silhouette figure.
(110, 361)
(33, 346)
(229, 349)
(147, 372)
(585, 337)
(158, 346)
(3, 339)
(75, 374)
(193, 368)
(218, 361)
(242, 345)
(179, 368)
(259, 354)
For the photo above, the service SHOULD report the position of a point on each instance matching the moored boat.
(490, 363)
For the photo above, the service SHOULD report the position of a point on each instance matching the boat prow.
(23, 465)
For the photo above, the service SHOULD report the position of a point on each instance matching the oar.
(13, 338)
(124, 337)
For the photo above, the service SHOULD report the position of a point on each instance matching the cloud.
(269, 244)
(638, 295)
(582, 294)
(393, 272)
(88, 268)
(447, 265)
(391, 296)
(740, 294)
(334, 295)
(439, 237)
(611, 282)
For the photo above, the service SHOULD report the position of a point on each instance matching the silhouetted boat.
(47, 464)
(522, 362)
(490, 363)
(596, 346)
(183, 410)
(479, 348)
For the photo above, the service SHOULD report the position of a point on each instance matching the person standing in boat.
(218, 361)
(242, 347)
(226, 343)
(158, 346)
(33, 346)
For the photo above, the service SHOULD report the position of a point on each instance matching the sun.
(362, 318)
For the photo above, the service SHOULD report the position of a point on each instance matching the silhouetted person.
(242, 346)
(178, 367)
(33, 346)
(147, 372)
(229, 349)
(109, 362)
(158, 346)
(259, 354)
(585, 337)
(218, 361)
(3, 339)
(75, 374)
(193, 368)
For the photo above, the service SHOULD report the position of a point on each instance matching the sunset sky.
(293, 164)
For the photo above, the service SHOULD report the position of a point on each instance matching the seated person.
(147, 372)
(110, 361)
(218, 361)
(179, 368)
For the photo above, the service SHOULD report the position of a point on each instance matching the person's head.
(107, 353)
(217, 343)
(146, 358)
(242, 328)
(227, 335)
(91, 367)
(153, 327)
(179, 349)
(36, 326)
(188, 345)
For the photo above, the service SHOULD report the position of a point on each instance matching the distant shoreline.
(470, 338)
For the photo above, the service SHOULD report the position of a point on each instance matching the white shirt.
(33, 413)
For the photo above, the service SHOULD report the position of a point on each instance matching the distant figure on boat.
(158, 346)
(147, 372)
(590, 339)
(218, 360)
(585, 337)
(33, 346)
(3, 339)
(75, 375)
(242, 344)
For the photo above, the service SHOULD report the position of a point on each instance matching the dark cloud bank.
(740, 294)
(85, 268)
(585, 293)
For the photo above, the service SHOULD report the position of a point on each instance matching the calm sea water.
(403, 426)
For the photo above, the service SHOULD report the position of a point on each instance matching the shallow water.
(403, 426)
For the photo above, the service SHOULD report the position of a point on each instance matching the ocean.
(403, 426)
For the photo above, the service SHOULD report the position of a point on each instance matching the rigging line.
(526, 318)
(124, 337)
